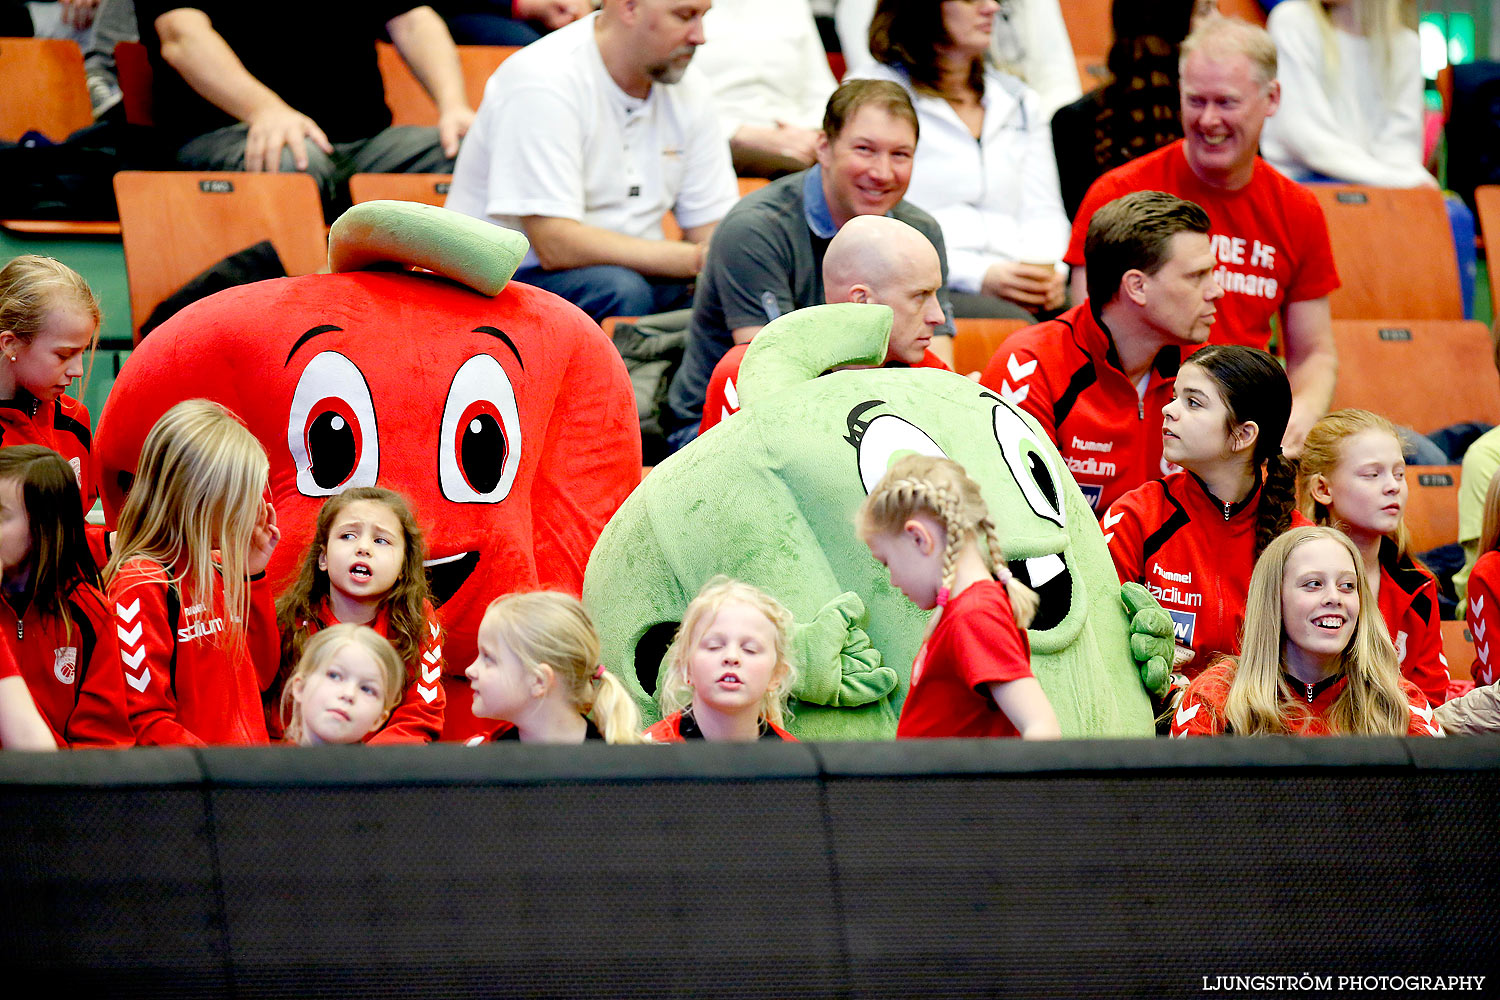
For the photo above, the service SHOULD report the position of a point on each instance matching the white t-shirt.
(1356, 131)
(766, 63)
(556, 136)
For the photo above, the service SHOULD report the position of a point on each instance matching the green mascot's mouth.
(1049, 577)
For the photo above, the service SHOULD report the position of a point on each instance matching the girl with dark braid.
(1192, 537)
(927, 523)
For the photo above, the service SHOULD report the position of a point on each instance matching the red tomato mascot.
(507, 419)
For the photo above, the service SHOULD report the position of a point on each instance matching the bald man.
(876, 260)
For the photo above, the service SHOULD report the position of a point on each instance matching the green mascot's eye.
(887, 438)
(1029, 465)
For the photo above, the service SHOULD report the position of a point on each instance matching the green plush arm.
(1151, 637)
(837, 665)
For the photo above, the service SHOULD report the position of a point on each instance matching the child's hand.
(263, 539)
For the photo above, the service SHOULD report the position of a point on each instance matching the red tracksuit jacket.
(1066, 374)
(1408, 603)
(1482, 614)
(419, 716)
(62, 426)
(185, 682)
(680, 727)
(74, 675)
(1193, 553)
(1201, 711)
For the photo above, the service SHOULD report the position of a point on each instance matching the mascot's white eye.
(884, 438)
(480, 446)
(331, 430)
(1028, 462)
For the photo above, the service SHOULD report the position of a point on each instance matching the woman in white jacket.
(984, 165)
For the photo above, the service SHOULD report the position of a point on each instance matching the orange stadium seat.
(429, 189)
(133, 69)
(43, 83)
(1431, 506)
(975, 341)
(1458, 649)
(408, 99)
(1364, 223)
(1089, 27)
(1487, 200)
(212, 216)
(45, 75)
(1425, 374)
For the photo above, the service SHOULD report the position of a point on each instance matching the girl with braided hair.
(1192, 537)
(927, 523)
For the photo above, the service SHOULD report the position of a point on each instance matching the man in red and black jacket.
(1097, 377)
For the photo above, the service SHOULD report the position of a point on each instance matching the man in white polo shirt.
(585, 139)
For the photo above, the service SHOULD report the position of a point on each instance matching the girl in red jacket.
(1315, 661)
(49, 325)
(21, 725)
(52, 613)
(193, 615)
(343, 688)
(365, 568)
(972, 677)
(537, 668)
(1192, 537)
(1354, 478)
(729, 671)
(1483, 609)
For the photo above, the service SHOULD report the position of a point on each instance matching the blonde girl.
(924, 521)
(196, 625)
(729, 671)
(537, 668)
(1483, 606)
(1353, 477)
(49, 327)
(1315, 659)
(364, 567)
(343, 688)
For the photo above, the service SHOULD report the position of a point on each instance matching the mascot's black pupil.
(1043, 478)
(330, 441)
(481, 452)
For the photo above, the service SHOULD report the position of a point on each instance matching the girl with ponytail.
(1353, 477)
(927, 523)
(537, 668)
(1192, 537)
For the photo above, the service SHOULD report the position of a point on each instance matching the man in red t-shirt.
(1269, 238)
(872, 259)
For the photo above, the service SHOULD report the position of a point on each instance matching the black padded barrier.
(1148, 868)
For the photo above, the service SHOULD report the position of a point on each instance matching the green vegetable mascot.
(769, 496)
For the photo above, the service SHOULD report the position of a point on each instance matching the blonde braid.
(1023, 600)
(947, 509)
(940, 488)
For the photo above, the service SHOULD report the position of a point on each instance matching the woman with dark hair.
(1192, 538)
(1030, 41)
(984, 168)
(1138, 108)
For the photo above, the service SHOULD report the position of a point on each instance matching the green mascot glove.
(835, 660)
(1151, 637)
